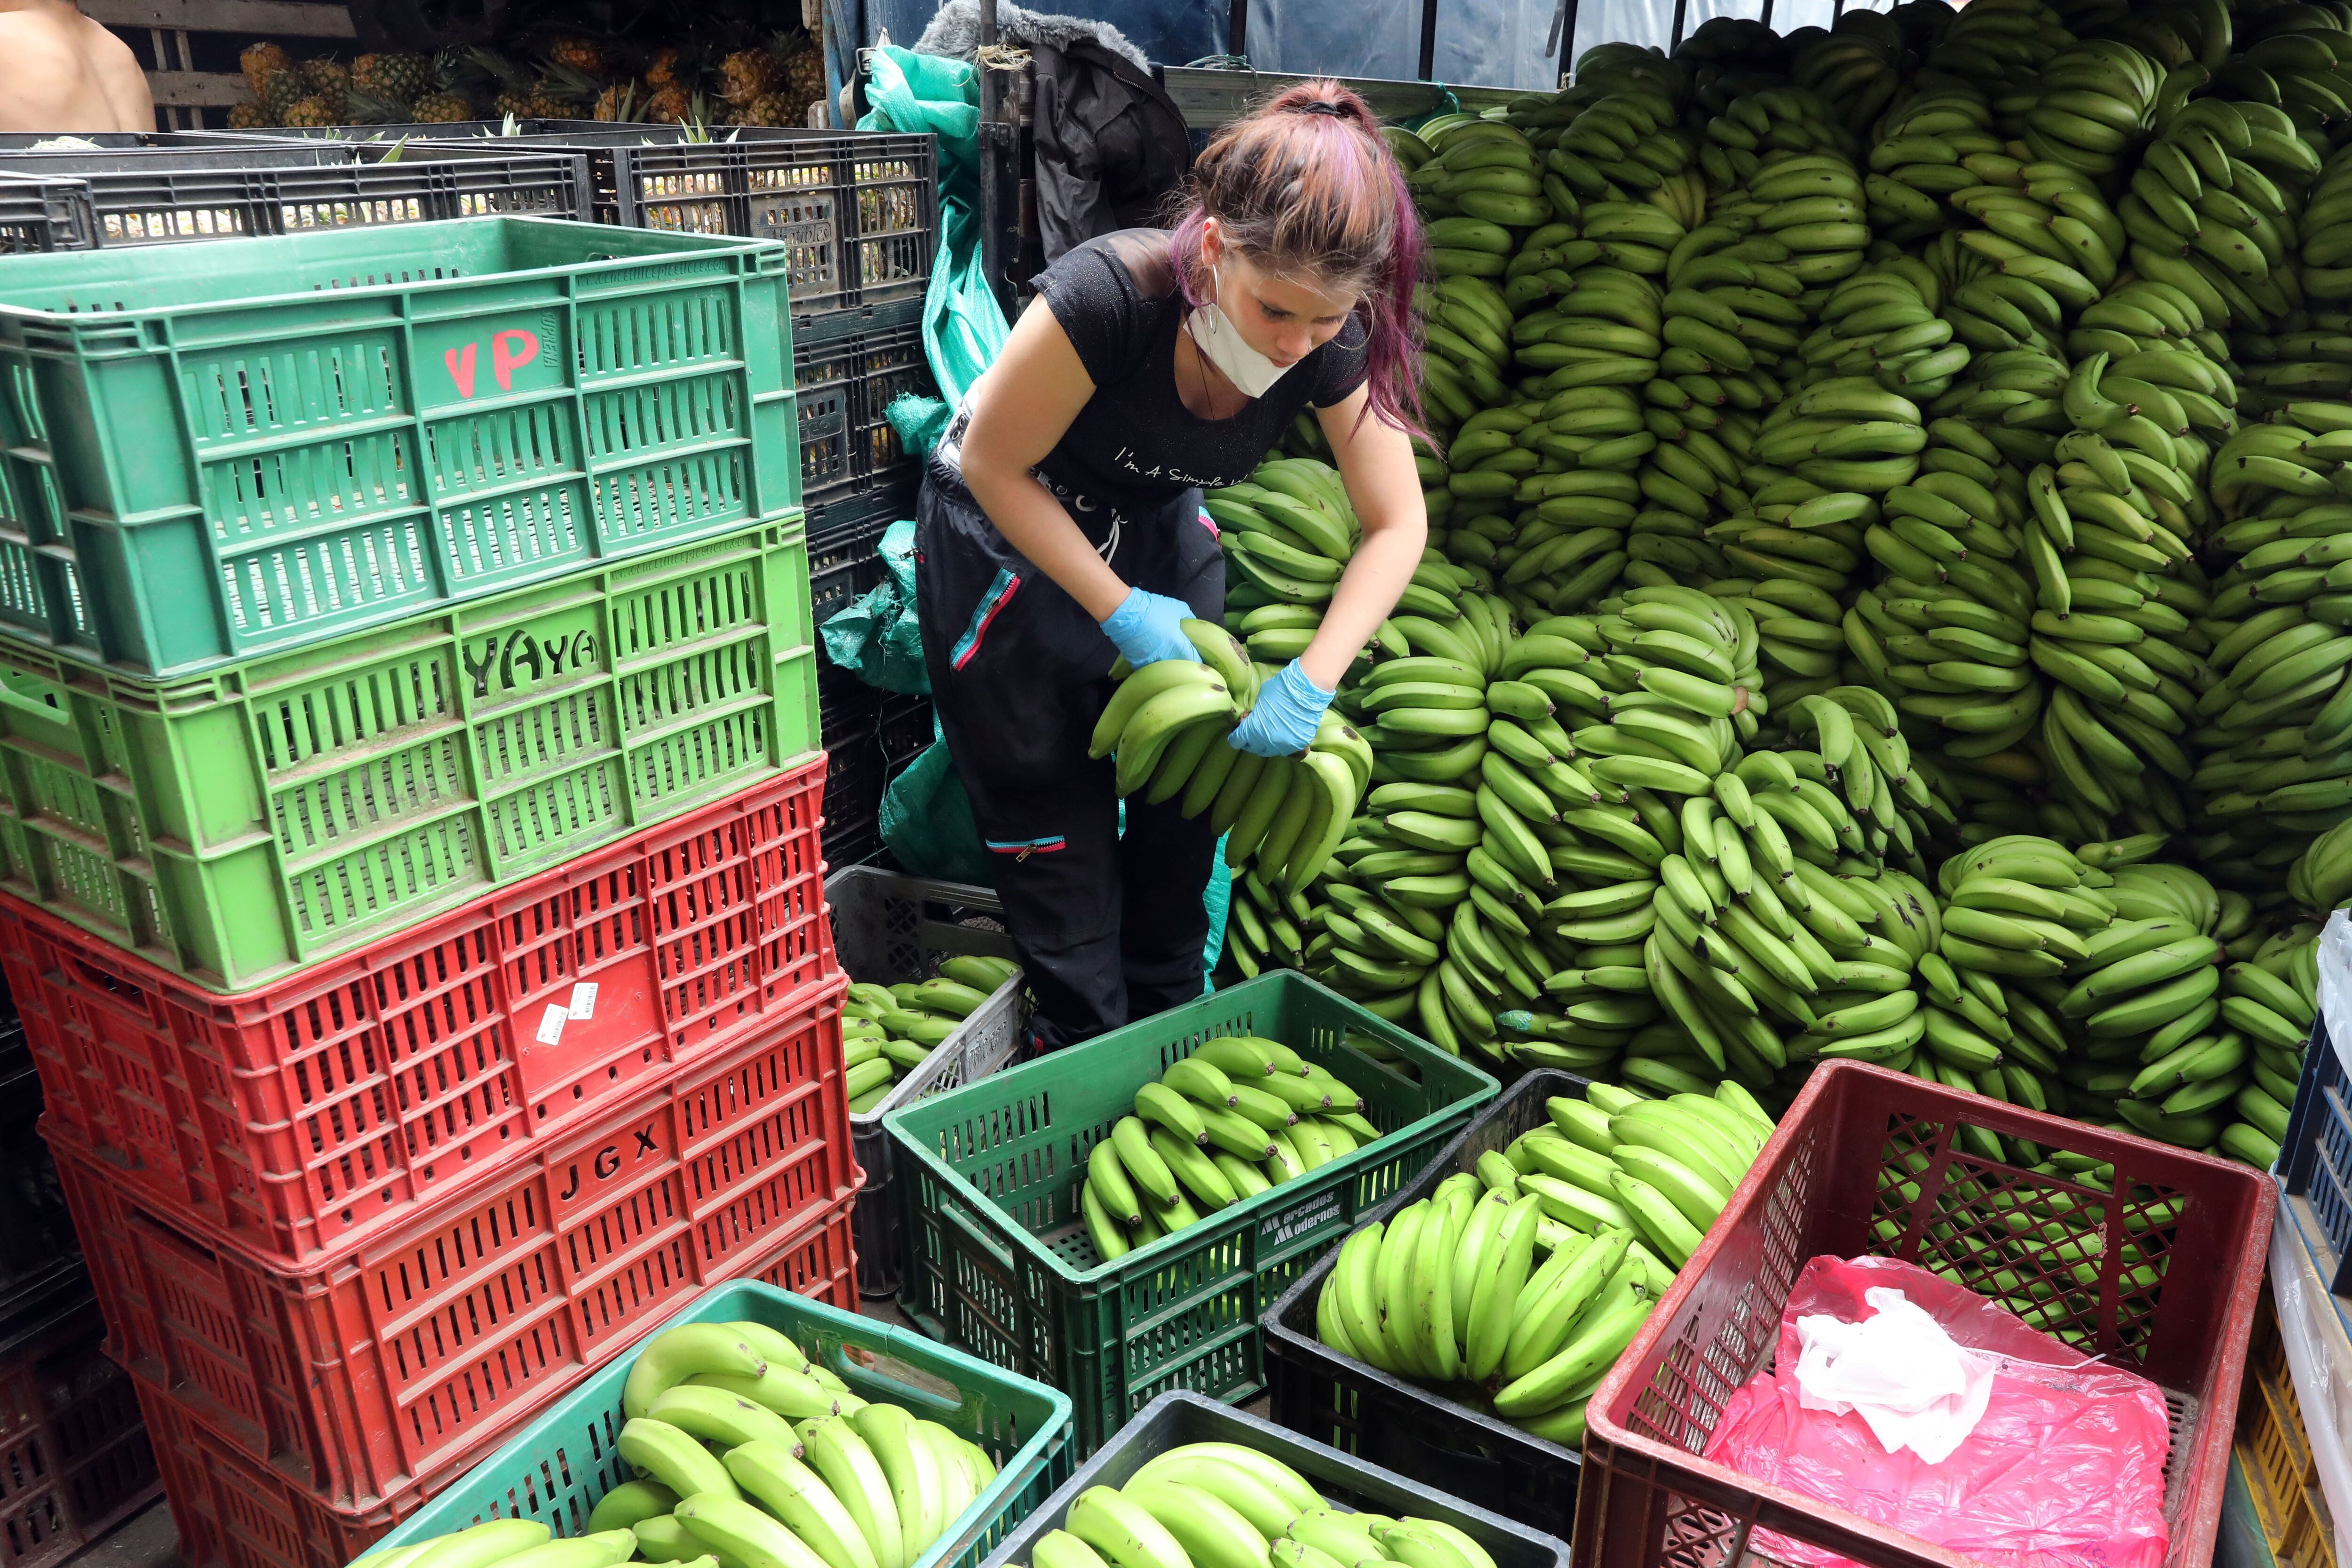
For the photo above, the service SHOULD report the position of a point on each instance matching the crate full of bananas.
(1210, 1149)
(1455, 1335)
(1192, 1483)
(760, 1429)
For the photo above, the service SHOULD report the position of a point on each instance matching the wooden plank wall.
(158, 30)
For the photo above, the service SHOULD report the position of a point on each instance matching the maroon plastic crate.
(73, 1458)
(1868, 1161)
(304, 1119)
(358, 1377)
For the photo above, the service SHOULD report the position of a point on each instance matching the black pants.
(1109, 928)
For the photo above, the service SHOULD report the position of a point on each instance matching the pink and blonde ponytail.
(1306, 185)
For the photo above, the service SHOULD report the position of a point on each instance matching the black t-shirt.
(1135, 447)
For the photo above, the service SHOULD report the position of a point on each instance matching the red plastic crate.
(363, 1374)
(305, 1118)
(235, 1512)
(1868, 1161)
(74, 1459)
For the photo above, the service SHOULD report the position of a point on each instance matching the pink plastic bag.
(2065, 1470)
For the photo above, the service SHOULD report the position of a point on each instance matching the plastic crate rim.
(1082, 1478)
(721, 1303)
(1230, 1219)
(672, 241)
(1660, 1459)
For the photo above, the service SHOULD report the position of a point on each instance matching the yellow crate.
(2275, 1452)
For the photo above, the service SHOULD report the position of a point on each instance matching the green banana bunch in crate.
(1516, 1287)
(1225, 1505)
(888, 1030)
(1239, 1116)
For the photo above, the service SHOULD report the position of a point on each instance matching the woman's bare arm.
(1375, 459)
(1021, 407)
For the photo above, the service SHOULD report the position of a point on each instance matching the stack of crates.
(411, 876)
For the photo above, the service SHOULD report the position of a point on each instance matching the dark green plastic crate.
(256, 445)
(558, 1467)
(233, 825)
(1000, 1262)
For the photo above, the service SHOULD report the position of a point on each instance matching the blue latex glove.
(1149, 627)
(1283, 720)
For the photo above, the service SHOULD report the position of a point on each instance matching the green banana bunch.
(1240, 1115)
(1515, 1286)
(1922, 156)
(1226, 1504)
(1287, 532)
(887, 1030)
(746, 1452)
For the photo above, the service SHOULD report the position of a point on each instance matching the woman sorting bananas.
(1060, 527)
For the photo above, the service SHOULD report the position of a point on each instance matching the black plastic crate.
(2316, 1158)
(848, 370)
(1184, 1416)
(41, 213)
(855, 520)
(858, 209)
(1361, 1410)
(852, 800)
(905, 730)
(846, 705)
(178, 194)
(40, 1258)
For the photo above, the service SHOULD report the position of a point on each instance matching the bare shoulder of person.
(46, 84)
(121, 76)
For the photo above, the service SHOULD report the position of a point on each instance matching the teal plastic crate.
(558, 1467)
(267, 443)
(1000, 1262)
(234, 826)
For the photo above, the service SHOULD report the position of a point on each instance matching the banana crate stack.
(412, 882)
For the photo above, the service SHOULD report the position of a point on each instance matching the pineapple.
(560, 91)
(747, 76)
(248, 116)
(619, 101)
(577, 55)
(441, 108)
(394, 77)
(311, 112)
(330, 84)
(774, 109)
(804, 75)
(260, 62)
(281, 90)
(669, 105)
(662, 69)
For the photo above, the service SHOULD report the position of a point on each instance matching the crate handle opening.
(905, 1383)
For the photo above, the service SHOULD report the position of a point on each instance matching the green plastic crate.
(265, 443)
(239, 823)
(1000, 1262)
(558, 1467)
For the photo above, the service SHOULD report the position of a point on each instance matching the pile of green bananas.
(1516, 1285)
(887, 1030)
(748, 1455)
(1239, 1116)
(1287, 534)
(1227, 1505)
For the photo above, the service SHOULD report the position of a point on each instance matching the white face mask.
(1221, 343)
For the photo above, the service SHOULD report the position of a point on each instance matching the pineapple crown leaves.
(567, 83)
(372, 109)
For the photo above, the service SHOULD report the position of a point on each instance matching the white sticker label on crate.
(583, 999)
(552, 1022)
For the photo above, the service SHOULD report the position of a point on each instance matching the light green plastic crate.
(256, 445)
(999, 1258)
(236, 824)
(556, 1467)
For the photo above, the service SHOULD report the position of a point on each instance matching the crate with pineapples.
(729, 80)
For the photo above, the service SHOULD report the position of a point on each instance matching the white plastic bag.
(1899, 1371)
